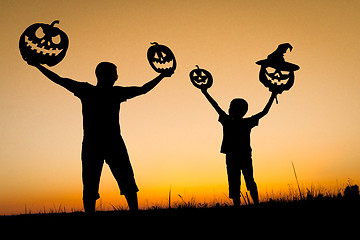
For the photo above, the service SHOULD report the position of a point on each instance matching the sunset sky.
(172, 133)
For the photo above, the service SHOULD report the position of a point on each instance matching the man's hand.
(167, 73)
(32, 62)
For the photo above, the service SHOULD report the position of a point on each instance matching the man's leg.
(127, 184)
(92, 164)
(120, 166)
(89, 206)
(132, 201)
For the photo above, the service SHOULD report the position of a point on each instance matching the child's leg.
(255, 196)
(250, 183)
(234, 174)
(236, 201)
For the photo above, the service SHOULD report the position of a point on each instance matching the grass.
(301, 196)
(318, 213)
(308, 195)
(311, 210)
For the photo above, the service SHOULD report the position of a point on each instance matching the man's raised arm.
(136, 91)
(64, 82)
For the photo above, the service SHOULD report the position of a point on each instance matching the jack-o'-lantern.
(201, 78)
(275, 73)
(43, 43)
(161, 58)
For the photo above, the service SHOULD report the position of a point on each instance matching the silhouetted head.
(238, 107)
(106, 74)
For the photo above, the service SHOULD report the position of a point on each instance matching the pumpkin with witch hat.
(275, 73)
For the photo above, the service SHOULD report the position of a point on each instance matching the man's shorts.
(113, 151)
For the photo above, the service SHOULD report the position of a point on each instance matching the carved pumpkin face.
(275, 79)
(275, 73)
(161, 58)
(201, 78)
(43, 43)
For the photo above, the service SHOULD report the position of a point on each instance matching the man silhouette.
(102, 138)
(236, 143)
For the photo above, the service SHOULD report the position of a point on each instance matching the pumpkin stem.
(154, 43)
(53, 23)
(197, 66)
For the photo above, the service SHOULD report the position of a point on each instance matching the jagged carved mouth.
(42, 49)
(164, 65)
(277, 77)
(201, 81)
(200, 78)
(276, 81)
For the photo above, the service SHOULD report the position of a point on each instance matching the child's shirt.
(236, 134)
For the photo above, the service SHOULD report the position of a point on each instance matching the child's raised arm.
(212, 102)
(267, 107)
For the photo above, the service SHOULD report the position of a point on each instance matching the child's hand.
(274, 94)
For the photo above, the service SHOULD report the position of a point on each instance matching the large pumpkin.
(161, 58)
(201, 78)
(43, 43)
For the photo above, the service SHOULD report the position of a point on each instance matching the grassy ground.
(311, 209)
(315, 218)
(313, 214)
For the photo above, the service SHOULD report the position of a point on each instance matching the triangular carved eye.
(159, 56)
(39, 33)
(203, 74)
(194, 74)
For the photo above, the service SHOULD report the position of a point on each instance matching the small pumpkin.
(275, 73)
(43, 43)
(201, 78)
(161, 58)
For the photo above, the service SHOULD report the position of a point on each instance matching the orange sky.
(172, 133)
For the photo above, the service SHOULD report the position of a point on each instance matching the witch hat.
(277, 61)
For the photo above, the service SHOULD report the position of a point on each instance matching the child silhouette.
(102, 138)
(236, 144)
